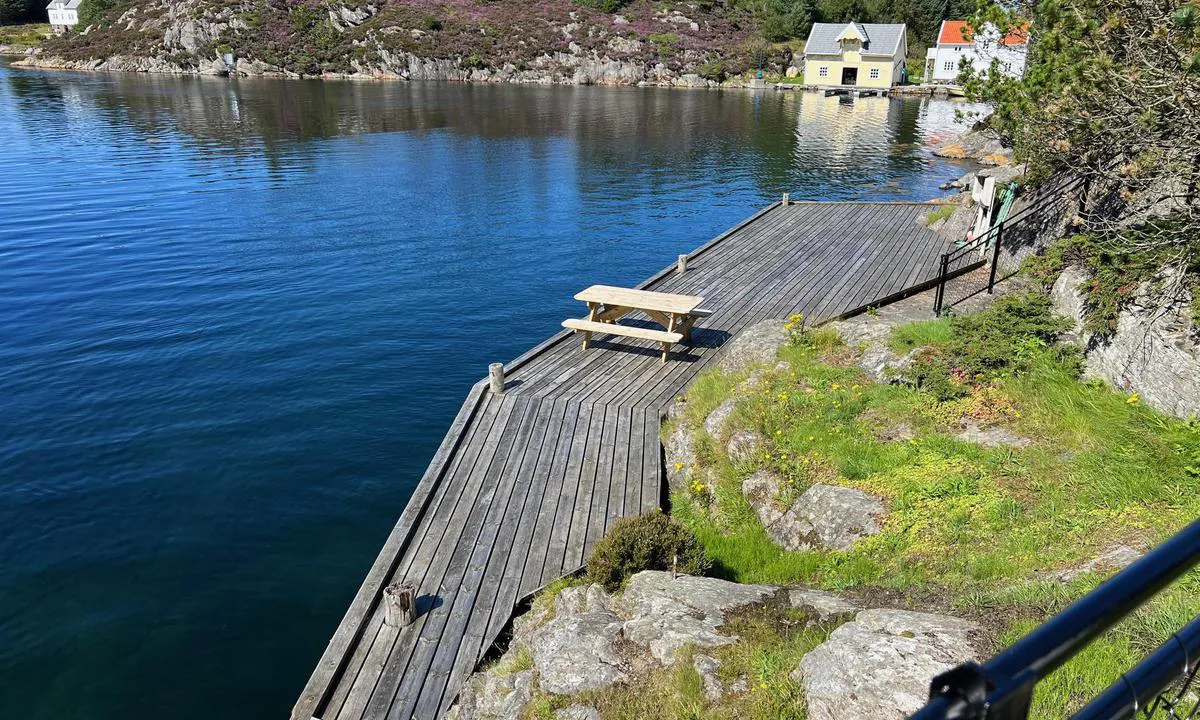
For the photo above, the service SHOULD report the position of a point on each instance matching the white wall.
(64, 17)
(947, 59)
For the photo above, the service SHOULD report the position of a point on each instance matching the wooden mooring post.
(496, 378)
(399, 605)
(786, 199)
(681, 264)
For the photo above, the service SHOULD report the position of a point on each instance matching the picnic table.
(607, 304)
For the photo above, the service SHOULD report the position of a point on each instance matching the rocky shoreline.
(664, 45)
(553, 70)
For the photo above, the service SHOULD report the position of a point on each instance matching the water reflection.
(800, 142)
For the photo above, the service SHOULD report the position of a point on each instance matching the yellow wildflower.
(1132, 399)
(678, 466)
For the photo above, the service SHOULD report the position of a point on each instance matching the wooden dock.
(526, 482)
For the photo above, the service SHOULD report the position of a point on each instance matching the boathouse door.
(849, 76)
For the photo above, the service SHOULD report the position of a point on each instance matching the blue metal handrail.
(1002, 688)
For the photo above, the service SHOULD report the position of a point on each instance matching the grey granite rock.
(879, 666)
(1154, 351)
(755, 345)
(881, 364)
(717, 422)
(1118, 558)
(840, 516)
(824, 516)
(994, 436)
(491, 696)
(1066, 299)
(666, 615)
(762, 490)
(861, 330)
(743, 446)
(577, 650)
(706, 666)
(679, 451)
(824, 605)
(577, 712)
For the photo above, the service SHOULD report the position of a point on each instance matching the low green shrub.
(608, 6)
(714, 70)
(1001, 341)
(430, 22)
(648, 542)
(666, 44)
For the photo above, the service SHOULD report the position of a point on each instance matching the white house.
(64, 15)
(957, 42)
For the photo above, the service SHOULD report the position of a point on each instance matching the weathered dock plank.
(526, 483)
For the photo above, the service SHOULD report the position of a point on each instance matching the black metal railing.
(996, 248)
(1161, 686)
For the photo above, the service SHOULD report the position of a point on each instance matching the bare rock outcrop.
(980, 144)
(743, 446)
(717, 422)
(679, 451)
(879, 666)
(1154, 350)
(577, 650)
(755, 345)
(822, 517)
(1118, 558)
(825, 606)
(667, 615)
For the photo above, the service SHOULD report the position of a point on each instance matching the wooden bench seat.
(626, 330)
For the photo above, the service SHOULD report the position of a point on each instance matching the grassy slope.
(20, 37)
(971, 530)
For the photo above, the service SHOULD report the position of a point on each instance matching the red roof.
(958, 32)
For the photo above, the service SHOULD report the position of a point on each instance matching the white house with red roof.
(959, 43)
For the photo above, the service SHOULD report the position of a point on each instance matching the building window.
(823, 72)
(874, 73)
(948, 65)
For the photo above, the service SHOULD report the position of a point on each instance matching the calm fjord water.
(236, 318)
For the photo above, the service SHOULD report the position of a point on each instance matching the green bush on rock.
(1003, 340)
(648, 542)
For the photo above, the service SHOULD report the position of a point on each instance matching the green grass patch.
(981, 531)
(943, 212)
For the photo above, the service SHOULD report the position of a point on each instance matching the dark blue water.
(236, 318)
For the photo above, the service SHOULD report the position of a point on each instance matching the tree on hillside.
(1111, 93)
(785, 19)
(21, 11)
(92, 11)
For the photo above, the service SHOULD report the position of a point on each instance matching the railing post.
(943, 269)
(995, 257)
(496, 378)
